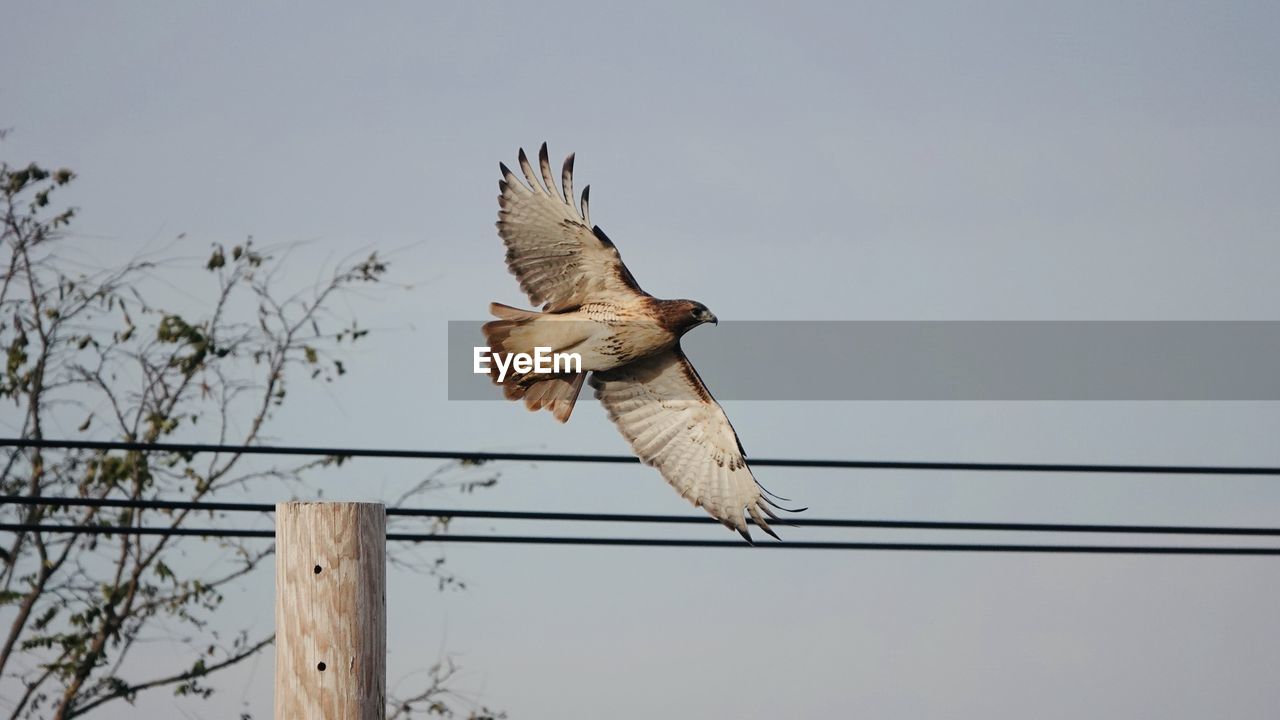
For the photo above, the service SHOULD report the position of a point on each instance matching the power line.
(672, 542)
(664, 519)
(191, 448)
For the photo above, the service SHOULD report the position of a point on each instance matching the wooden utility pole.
(331, 611)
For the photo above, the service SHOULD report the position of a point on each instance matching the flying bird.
(628, 342)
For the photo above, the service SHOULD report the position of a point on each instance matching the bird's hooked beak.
(714, 320)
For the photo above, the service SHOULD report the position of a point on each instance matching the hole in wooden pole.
(317, 570)
(320, 667)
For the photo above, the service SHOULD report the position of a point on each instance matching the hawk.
(628, 341)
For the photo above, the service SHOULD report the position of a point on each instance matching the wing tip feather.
(760, 522)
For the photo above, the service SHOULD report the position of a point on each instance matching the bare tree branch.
(85, 348)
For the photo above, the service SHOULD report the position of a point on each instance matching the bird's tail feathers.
(518, 331)
(512, 332)
(523, 331)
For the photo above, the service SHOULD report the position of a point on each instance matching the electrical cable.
(192, 448)
(664, 519)
(672, 542)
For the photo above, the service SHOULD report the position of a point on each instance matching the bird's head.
(695, 314)
(701, 314)
(681, 316)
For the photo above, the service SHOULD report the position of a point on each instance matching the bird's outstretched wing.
(663, 409)
(560, 260)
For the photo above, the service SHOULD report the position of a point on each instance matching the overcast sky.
(788, 161)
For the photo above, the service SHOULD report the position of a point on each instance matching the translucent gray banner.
(959, 360)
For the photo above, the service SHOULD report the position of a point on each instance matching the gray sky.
(791, 161)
